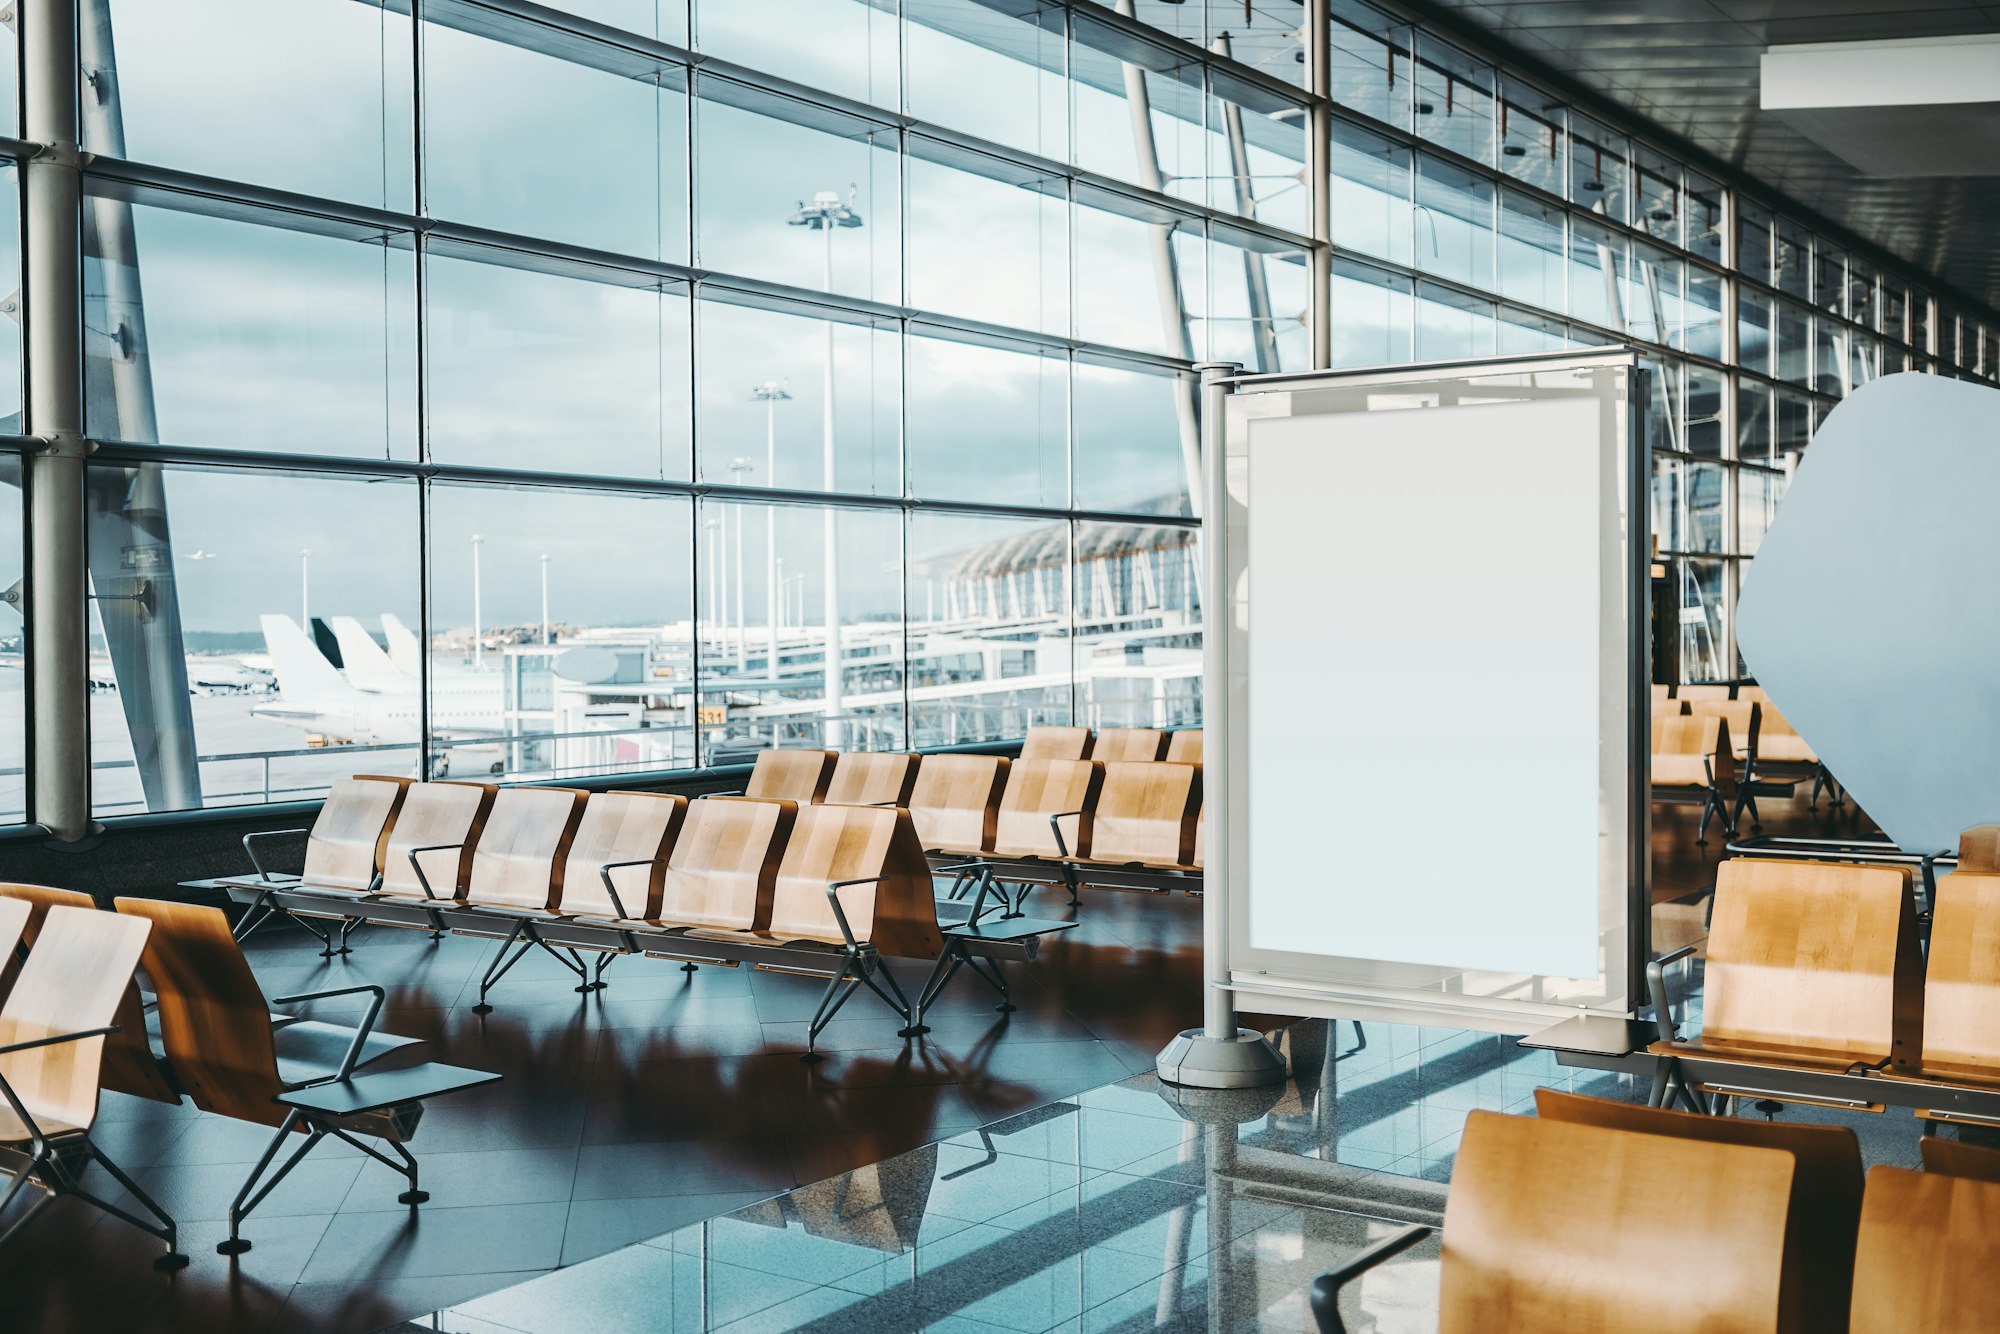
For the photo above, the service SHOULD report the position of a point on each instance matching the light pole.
(305, 590)
(781, 605)
(478, 647)
(738, 468)
(545, 597)
(770, 394)
(717, 571)
(824, 214)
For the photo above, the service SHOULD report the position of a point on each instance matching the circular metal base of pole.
(1244, 1062)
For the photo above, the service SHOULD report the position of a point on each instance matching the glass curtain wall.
(628, 387)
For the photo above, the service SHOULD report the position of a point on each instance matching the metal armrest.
(250, 848)
(979, 900)
(56, 1039)
(347, 1062)
(604, 874)
(730, 792)
(1326, 1288)
(418, 866)
(839, 913)
(1062, 845)
(1656, 985)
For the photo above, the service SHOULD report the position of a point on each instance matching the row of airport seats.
(1768, 755)
(73, 1021)
(827, 890)
(1074, 819)
(1607, 1216)
(1818, 990)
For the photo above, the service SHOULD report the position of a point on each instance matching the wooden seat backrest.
(1548, 1225)
(214, 1021)
(956, 801)
(1037, 789)
(1128, 743)
(1184, 746)
(1200, 835)
(724, 863)
(621, 827)
(1705, 692)
(1681, 744)
(1056, 743)
(435, 814)
(1663, 699)
(1825, 1207)
(830, 844)
(348, 839)
(1962, 990)
(1956, 1158)
(871, 778)
(518, 860)
(1979, 848)
(1742, 716)
(129, 1064)
(791, 775)
(1814, 959)
(75, 976)
(1928, 1261)
(1145, 812)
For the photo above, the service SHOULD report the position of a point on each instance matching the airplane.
(364, 663)
(225, 676)
(314, 697)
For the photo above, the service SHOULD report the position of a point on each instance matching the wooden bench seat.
(345, 851)
(1184, 746)
(1145, 818)
(871, 778)
(1928, 1257)
(1044, 742)
(1692, 761)
(789, 775)
(1114, 745)
(955, 803)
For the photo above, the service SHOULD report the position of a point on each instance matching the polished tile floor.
(674, 1098)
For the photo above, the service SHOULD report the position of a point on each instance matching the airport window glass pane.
(244, 326)
(848, 47)
(1454, 100)
(1895, 309)
(1256, 158)
(1920, 320)
(10, 266)
(1531, 136)
(1702, 332)
(1597, 264)
(1830, 368)
(311, 96)
(988, 247)
(1373, 316)
(1521, 331)
(547, 372)
(746, 707)
(1706, 391)
(1830, 281)
(1257, 298)
(1705, 645)
(1118, 301)
(1753, 331)
(821, 210)
(1600, 169)
(1652, 297)
(1791, 259)
(662, 20)
(13, 650)
(990, 639)
(1454, 223)
(558, 638)
(991, 74)
(539, 146)
(1755, 422)
(1663, 421)
(1134, 438)
(1757, 495)
(202, 577)
(1704, 217)
(1794, 427)
(1793, 363)
(1369, 65)
(1532, 247)
(766, 416)
(1662, 205)
(1753, 239)
(987, 423)
(1138, 625)
(1452, 325)
(1106, 138)
(1371, 194)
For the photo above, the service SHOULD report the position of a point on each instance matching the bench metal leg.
(325, 938)
(843, 983)
(408, 1166)
(259, 912)
(166, 1231)
(240, 1207)
(501, 964)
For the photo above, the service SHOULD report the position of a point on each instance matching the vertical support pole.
(1217, 1055)
(58, 589)
(1256, 282)
(1319, 175)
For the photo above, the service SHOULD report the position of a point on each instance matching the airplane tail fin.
(367, 665)
(302, 670)
(404, 651)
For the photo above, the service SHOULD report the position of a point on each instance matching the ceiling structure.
(1692, 68)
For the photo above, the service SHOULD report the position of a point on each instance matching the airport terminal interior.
(631, 695)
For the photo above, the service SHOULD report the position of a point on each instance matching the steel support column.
(1318, 35)
(52, 261)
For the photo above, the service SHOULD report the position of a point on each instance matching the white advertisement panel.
(1425, 702)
